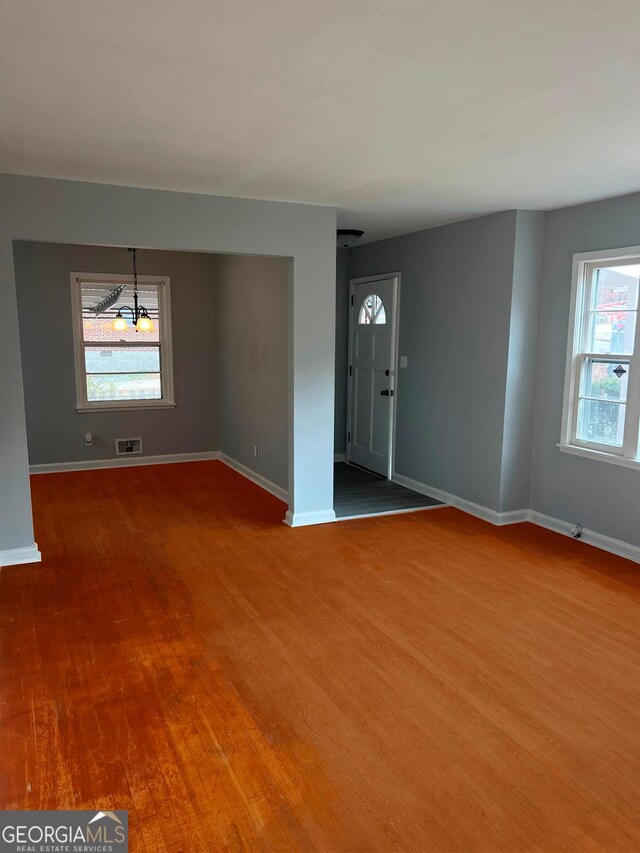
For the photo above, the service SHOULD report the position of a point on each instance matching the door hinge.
(352, 298)
(349, 437)
(350, 370)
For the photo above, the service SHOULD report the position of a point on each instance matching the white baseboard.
(483, 512)
(18, 556)
(589, 537)
(256, 478)
(304, 519)
(164, 459)
(338, 457)
(292, 519)
(123, 462)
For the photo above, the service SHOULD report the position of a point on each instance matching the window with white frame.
(118, 366)
(602, 389)
(372, 311)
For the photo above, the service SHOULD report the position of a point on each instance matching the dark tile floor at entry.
(357, 492)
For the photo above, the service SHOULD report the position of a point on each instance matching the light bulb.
(119, 324)
(144, 324)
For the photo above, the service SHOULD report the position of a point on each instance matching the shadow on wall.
(252, 331)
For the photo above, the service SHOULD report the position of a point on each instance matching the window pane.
(606, 380)
(616, 288)
(123, 386)
(122, 359)
(611, 332)
(601, 422)
(101, 302)
(372, 311)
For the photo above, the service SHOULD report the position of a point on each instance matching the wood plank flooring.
(415, 682)
(357, 492)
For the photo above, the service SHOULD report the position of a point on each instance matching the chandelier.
(140, 318)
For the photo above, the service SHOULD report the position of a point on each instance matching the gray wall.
(484, 320)
(517, 443)
(342, 348)
(598, 495)
(238, 333)
(55, 430)
(455, 314)
(45, 210)
(253, 356)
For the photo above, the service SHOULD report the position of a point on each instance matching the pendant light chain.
(135, 272)
(139, 314)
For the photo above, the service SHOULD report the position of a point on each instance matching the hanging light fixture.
(348, 237)
(140, 318)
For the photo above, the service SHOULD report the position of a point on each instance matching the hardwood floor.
(415, 682)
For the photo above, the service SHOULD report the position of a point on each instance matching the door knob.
(384, 393)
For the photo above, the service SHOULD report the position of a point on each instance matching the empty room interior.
(319, 426)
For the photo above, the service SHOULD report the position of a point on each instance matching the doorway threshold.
(360, 494)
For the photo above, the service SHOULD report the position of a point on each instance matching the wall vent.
(125, 446)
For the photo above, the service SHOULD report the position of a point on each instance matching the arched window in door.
(372, 311)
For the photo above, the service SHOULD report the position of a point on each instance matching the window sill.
(600, 456)
(139, 407)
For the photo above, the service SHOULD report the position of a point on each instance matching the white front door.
(371, 378)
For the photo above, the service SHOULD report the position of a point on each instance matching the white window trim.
(165, 342)
(625, 456)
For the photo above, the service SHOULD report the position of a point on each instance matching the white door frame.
(395, 343)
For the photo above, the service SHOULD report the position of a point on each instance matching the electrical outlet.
(404, 361)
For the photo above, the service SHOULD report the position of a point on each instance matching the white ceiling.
(402, 113)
